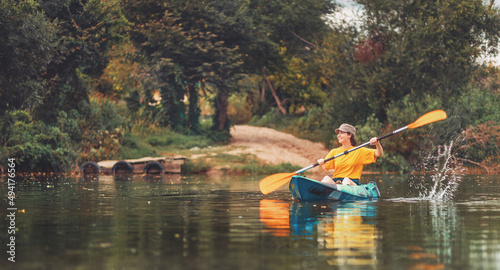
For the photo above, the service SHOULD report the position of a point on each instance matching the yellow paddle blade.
(275, 181)
(428, 118)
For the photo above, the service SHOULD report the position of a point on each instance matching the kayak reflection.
(344, 233)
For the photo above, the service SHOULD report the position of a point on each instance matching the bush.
(198, 167)
(480, 146)
(35, 145)
(479, 142)
(102, 129)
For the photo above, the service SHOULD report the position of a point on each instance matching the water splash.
(444, 170)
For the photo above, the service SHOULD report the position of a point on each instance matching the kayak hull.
(305, 189)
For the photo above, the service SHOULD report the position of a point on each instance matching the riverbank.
(256, 150)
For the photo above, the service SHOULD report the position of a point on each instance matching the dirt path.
(275, 147)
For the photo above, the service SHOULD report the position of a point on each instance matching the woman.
(348, 167)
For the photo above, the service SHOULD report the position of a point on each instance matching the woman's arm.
(380, 150)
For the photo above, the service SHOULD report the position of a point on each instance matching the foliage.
(480, 146)
(150, 139)
(308, 125)
(134, 147)
(393, 159)
(301, 83)
(184, 46)
(479, 106)
(27, 47)
(86, 32)
(73, 137)
(101, 145)
(291, 24)
(102, 131)
(420, 48)
(288, 33)
(371, 128)
(122, 76)
(195, 167)
(35, 145)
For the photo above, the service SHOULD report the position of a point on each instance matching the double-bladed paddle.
(275, 181)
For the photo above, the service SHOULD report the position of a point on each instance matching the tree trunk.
(278, 101)
(194, 110)
(222, 104)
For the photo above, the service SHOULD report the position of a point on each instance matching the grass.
(147, 140)
(264, 169)
(196, 167)
(239, 164)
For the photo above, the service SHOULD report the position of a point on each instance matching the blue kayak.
(305, 189)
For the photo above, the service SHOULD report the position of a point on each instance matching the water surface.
(194, 222)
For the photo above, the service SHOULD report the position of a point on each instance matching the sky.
(351, 12)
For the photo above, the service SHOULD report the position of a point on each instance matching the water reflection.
(194, 222)
(167, 178)
(344, 233)
(275, 215)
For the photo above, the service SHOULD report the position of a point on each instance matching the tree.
(27, 49)
(86, 32)
(285, 36)
(419, 48)
(50, 49)
(182, 41)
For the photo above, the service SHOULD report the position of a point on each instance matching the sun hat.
(346, 128)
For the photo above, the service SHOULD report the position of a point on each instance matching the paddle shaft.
(350, 150)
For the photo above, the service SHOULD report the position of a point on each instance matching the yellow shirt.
(350, 165)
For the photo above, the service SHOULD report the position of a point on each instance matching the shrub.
(35, 145)
(102, 129)
(480, 146)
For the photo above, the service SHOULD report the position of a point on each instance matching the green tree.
(419, 48)
(51, 52)
(86, 32)
(182, 42)
(407, 52)
(158, 37)
(27, 48)
(191, 44)
(285, 35)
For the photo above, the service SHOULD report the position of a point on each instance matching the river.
(196, 222)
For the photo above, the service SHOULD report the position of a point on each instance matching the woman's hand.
(321, 163)
(374, 141)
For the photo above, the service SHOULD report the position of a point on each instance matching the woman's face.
(343, 137)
